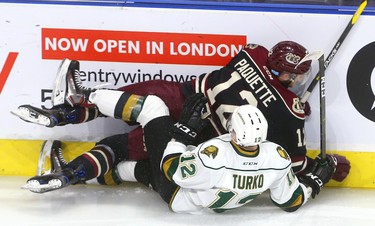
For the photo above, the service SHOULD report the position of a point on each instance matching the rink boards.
(121, 45)
(20, 158)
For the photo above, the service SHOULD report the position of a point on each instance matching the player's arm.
(298, 191)
(171, 158)
(288, 193)
(183, 133)
(187, 169)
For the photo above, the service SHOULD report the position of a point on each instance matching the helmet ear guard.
(248, 126)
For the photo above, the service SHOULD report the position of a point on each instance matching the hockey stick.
(323, 140)
(333, 52)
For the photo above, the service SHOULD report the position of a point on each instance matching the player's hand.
(191, 121)
(322, 171)
(324, 168)
(306, 108)
(342, 168)
(313, 181)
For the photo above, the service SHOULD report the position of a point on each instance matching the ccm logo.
(250, 163)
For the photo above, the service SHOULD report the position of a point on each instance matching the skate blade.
(25, 115)
(35, 187)
(58, 93)
(44, 153)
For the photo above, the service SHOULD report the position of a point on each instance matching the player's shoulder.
(258, 53)
(251, 47)
(212, 152)
(275, 154)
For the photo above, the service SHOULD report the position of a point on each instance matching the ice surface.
(133, 204)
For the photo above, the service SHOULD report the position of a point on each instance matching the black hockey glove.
(312, 181)
(191, 121)
(322, 172)
(325, 169)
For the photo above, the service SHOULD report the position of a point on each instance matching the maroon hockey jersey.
(247, 80)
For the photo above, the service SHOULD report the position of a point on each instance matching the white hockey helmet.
(248, 126)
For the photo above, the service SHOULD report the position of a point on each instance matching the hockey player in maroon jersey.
(254, 76)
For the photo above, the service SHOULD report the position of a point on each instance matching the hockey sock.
(97, 162)
(118, 104)
(75, 115)
(126, 171)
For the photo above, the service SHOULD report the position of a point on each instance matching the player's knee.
(153, 107)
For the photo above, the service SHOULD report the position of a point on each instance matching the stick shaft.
(333, 52)
(323, 140)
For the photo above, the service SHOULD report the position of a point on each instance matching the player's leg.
(69, 90)
(100, 160)
(96, 164)
(114, 103)
(170, 92)
(118, 170)
(156, 124)
(156, 139)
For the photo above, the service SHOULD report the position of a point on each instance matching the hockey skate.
(35, 115)
(50, 176)
(68, 85)
(51, 153)
(56, 116)
(50, 182)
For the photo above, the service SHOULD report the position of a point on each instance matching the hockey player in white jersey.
(231, 170)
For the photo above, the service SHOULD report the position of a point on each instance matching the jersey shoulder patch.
(251, 46)
(213, 153)
(276, 156)
(283, 154)
(210, 151)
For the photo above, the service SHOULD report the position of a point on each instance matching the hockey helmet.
(285, 56)
(248, 126)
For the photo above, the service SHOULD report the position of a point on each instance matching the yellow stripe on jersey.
(243, 152)
(294, 202)
(132, 108)
(170, 166)
(298, 201)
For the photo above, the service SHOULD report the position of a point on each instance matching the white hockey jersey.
(219, 175)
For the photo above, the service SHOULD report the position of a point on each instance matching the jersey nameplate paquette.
(251, 74)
